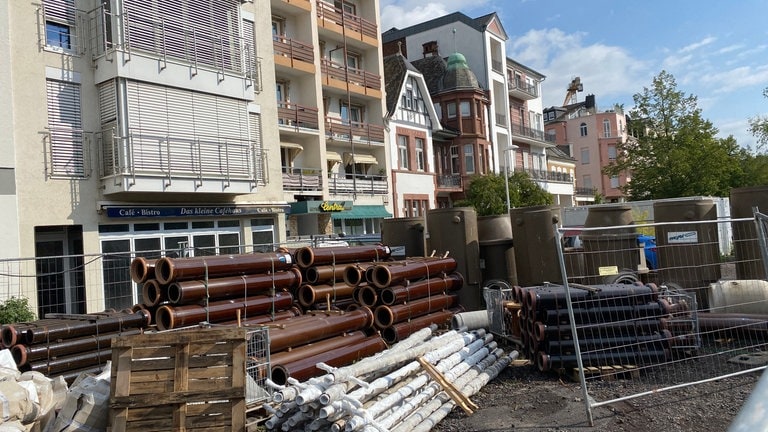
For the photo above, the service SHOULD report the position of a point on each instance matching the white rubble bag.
(86, 407)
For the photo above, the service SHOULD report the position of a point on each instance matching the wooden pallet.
(191, 380)
(607, 373)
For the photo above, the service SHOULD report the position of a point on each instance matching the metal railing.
(518, 84)
(67, 152)
(328, 12)
(298, 116)
(520, 130)
(293, 49)
(451, 181)
(584, 191)
(357, 131)
(302, 179)
(353, 76)
(548, 175)
(344, 184)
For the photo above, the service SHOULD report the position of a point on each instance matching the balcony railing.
(522, 86)
(328, 12)
(356, 77)
(302, 179)
(549, 175)
(356, 131)
(584, 191)
(297, 116)
(67, 152)
(538, 134)
(147, 153)
(358, 183)
(293, 49)
(451, 181)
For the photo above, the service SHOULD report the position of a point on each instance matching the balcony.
(302, 179)
(346, 184)
(585, 191)
(548, 175)
(522, 90)
(294, 54)
(356, 80)
(303, 5)
(146, 161)
(297, 117)
(451, 182)
(535, 135)
(366, 133)
(333, 18)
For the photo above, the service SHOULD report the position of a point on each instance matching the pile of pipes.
(616, 324)
(408, 387)
(67, 345)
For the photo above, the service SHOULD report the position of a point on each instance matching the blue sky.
(717, 51)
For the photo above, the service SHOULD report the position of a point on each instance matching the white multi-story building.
(133, 127)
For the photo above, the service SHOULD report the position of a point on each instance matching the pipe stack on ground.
(616, 324)
(390, 390)
(69, 344)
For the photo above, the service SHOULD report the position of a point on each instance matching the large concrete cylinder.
(454, 230)
(746, 248)
(497, 254)
(534, 236)
(689, 254)
(613, 250)
(404, 236)
(739, 296)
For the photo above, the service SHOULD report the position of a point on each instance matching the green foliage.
(487, 193)
(758, 126)
(676, 152)
(16, 309)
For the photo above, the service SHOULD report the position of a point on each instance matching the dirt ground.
(524, 399)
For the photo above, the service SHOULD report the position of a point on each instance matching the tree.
(675, 152)
(758, 126)
(487, 194)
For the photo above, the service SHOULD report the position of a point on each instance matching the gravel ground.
(522, 398)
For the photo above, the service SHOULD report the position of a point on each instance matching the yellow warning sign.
(608, 271)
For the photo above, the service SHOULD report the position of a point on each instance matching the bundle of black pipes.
(616, 324)
(69, 344)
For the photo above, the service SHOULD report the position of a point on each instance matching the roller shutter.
(65, 151)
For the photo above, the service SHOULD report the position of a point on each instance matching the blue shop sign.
(189, 211)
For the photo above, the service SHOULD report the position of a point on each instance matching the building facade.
(329, 87)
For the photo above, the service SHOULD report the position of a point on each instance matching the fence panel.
(659, 304)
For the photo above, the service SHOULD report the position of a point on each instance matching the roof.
(556, 153)
(395, 68)
(480, 24)
(433, 69)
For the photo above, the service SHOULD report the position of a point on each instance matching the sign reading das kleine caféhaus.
(187, 211)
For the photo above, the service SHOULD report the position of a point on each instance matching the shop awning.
(332, 156)
(360, 158)
(363, 212)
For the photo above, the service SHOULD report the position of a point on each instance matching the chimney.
(429, 49)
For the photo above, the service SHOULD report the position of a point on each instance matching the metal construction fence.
(659, 304)
(77, 284)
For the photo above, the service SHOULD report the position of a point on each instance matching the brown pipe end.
(165, 270)
(305, 257)
(543, 362)
(381, 276)
(383, 316)
(280, 375)
(19, 353)
(312, 275)
(353, 275)
(390, 336)
(369, 273)
(306, 295)
(367, 296)
(142, 269)
(164, 318)
(151, 293)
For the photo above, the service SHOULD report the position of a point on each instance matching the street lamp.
(509, 148)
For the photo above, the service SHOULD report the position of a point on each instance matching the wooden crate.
(190, 380)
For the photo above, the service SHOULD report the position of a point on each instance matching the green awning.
(363, 212)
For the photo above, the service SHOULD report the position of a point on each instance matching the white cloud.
(696, 45)
(405, 13)
(740, 77)
(609, 72)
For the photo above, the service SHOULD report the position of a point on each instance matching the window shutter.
(66, 133)
(62, 11)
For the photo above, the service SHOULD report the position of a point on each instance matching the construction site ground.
(524, 399)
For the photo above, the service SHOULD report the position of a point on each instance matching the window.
(455, 164)
(583, 129)
(585, 156)
(278, 28)
(420, 154)
(606, 128)
(465, 110)
(282, 92)
(353, 60)
(587, 181)
(451, 109)
(469, 158)
(611, 152)
(59, 24)
(615, 182)
(351, 113)
(65, 138)
(345, 6)
(402, 151)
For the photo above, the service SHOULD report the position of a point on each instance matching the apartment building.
(510, 116)
(591, 136)
(133, 128)
(328, 80)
